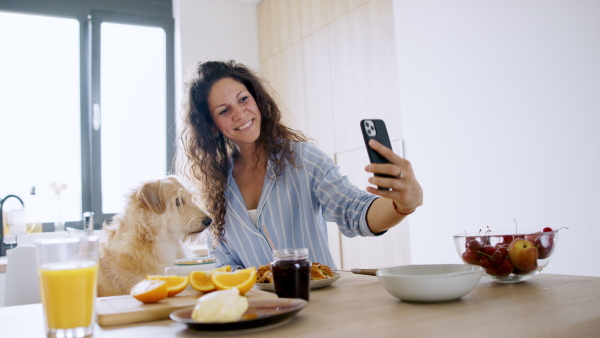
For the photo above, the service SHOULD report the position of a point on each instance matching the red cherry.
(485, 262)
(547, 229)
(488, 250)
(499, 256)
(474, 245)
(493, 271)
(505, 268)
(507, 239)
(470, 257)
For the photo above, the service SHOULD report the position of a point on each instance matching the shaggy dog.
(148, 235)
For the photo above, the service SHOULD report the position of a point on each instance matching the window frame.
(90, 14)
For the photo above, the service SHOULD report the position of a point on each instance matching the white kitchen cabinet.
(390, 249)
(332, 66)
(2, 283)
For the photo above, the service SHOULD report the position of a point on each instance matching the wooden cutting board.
(120, 310)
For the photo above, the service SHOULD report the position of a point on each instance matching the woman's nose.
(238, 112)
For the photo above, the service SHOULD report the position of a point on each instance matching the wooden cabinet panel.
(334, 241)
(286, 75)
(364, 71)
(319, 105)
(339, 8)
(286, 26)
(265, 31)
(279, 25)
(313, 15)
(333, 63)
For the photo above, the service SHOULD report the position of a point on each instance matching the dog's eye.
(179, 201)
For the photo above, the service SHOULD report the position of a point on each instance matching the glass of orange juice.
(68, 269)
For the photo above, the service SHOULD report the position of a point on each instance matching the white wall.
(214, 30)
(500, 104)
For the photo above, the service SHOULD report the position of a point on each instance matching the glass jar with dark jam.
(291, 273)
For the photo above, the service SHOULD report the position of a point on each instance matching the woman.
(265, 186)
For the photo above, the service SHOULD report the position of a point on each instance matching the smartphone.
(375, 129)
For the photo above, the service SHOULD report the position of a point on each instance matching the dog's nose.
(207, 221)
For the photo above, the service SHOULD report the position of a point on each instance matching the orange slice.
(175, 284)
(224, 268)
(150, 291)
(201, 280)
(242, 279)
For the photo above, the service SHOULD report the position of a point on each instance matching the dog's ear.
(150, 197)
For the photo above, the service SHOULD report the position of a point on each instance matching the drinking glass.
(68, 269)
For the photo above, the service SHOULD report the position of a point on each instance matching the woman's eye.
(243, 99)
(223, 111)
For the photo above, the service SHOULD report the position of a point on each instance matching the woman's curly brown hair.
(207, 153)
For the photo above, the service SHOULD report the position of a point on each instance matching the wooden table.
(544, 306)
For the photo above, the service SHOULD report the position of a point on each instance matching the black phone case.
(381, 135)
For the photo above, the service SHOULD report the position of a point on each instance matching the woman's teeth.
(244, 126)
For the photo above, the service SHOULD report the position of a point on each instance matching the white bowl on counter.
(430, 283)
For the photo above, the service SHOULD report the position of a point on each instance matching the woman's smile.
(245, 125)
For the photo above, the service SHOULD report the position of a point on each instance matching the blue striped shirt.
(292, 212)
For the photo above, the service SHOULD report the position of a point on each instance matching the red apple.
(523, 254)
(524, 272)
(544, 241)
(545, 245)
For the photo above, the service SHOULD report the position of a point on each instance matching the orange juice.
(68, 291)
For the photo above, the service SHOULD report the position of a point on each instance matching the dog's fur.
(148, 235)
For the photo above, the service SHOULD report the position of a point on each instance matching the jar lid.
(195, 260)
(290, 254)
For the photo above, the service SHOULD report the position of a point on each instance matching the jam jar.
(291, 273)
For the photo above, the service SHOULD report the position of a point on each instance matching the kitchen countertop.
(29, 239)
(546, 305)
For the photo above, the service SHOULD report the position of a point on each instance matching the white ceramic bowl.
(430, 283)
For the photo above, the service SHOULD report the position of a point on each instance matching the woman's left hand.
(405, 191)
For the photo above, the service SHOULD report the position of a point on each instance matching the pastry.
(318, 271)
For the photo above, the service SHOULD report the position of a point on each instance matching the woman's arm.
(405, 193)
(221, 255)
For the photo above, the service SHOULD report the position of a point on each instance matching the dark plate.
(261, 312)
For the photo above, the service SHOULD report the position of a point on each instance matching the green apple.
(523, 254)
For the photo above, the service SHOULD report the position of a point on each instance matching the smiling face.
(234, 112)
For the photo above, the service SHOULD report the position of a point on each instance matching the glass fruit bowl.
(505, 256)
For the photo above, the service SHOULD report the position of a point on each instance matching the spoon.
(370, 272)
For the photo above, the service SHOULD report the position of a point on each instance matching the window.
(40, 107)
(132, 108)
(86, 100)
